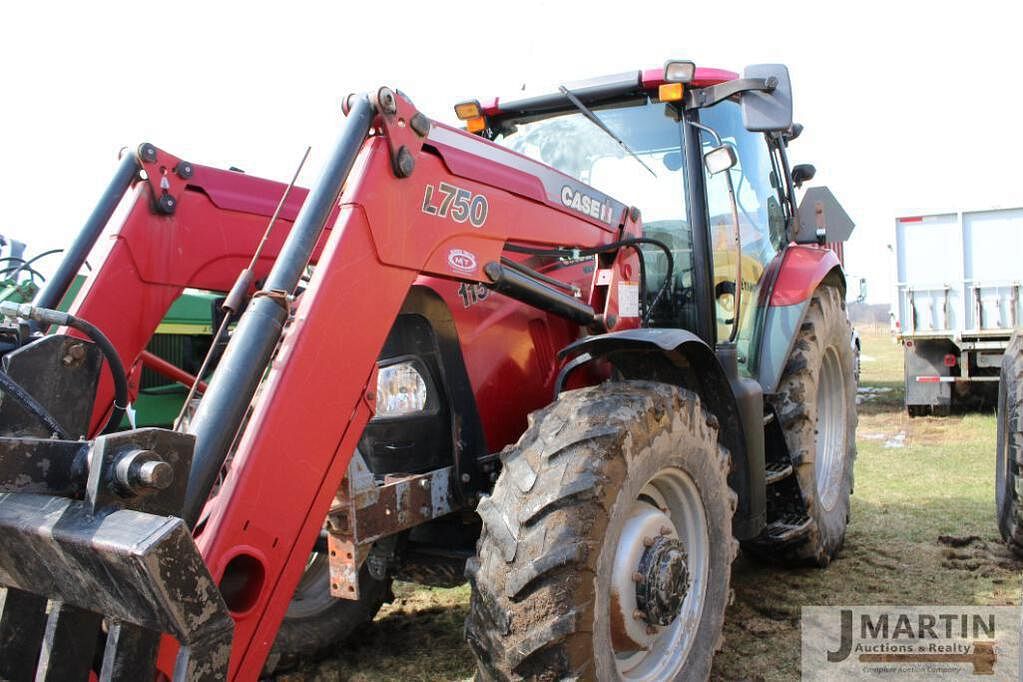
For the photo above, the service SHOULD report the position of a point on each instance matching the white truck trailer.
(957, 300)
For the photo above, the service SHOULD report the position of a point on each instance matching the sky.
(908, 107)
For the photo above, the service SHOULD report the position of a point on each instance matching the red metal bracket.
(404, 127)
(166, 176)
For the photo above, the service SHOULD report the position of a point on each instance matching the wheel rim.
(831, 430)
(666, 520)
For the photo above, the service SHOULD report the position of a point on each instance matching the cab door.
(739, 273)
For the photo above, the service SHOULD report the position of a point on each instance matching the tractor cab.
(703, 152)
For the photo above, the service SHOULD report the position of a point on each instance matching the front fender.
(682, 358)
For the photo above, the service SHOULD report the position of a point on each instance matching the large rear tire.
(606, 548)
(816, 407)
(1009, 460)
(316, 621)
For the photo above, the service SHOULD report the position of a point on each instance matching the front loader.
(459, 355)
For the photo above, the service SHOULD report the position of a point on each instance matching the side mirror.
(766, 112)
(803, 172)
(720, 159)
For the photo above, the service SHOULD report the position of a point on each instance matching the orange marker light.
(670, 92)
(467, 110)
(476, 125)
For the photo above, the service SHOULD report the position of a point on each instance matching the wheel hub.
(659, 578)
(663, 580)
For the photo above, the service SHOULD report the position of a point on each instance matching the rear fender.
(679, 357)
(802, 270)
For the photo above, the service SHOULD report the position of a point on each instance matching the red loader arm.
(318, 395)
(420, 199)
(217, 220)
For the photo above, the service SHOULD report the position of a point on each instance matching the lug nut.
(665, 530)
(648, 542)
(637, 615)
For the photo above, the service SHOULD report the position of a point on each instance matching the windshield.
(577, 147)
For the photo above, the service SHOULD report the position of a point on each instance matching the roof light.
(670, 92)
(466, 110)
(678, 71)
(476, 125)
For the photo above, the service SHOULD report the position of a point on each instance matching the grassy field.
(922, 532)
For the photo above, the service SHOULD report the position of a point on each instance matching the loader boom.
(383, 240)
(441, 204)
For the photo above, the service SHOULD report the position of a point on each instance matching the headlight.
(401, 389)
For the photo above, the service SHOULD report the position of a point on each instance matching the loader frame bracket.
(365, 511)
(97, 539)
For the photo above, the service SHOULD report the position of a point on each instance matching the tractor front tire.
(607, 543)
(816, 408)
(1009, 459)
(316, 622)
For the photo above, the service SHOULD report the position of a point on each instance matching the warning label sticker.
(628, 299)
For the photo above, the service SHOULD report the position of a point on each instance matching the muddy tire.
(578, 566)
(1009, 460)
(316, 622)
(816, 407)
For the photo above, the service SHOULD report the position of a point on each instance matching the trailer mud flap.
(92, 583)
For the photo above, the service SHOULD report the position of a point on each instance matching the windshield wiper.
(600, 124)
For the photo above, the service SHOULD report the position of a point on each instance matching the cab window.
(758, 197)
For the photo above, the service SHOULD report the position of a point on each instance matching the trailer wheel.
(316, 622)
(1009, 460)
(816, 407)
(606, 548)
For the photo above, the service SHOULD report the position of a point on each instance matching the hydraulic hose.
(13, 389)
(116, 368)
(45, 315)
(27, 265)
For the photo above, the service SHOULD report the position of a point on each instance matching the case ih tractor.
(460, 354)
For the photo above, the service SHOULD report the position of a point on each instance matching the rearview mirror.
(764, 112)
(803, 172)
(720, 159)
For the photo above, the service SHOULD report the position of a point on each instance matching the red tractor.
(460, 354)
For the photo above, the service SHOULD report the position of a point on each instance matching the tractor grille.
(177, 349)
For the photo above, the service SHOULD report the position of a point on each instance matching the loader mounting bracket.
(365, 511)
(404, 127)
(166, 177)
